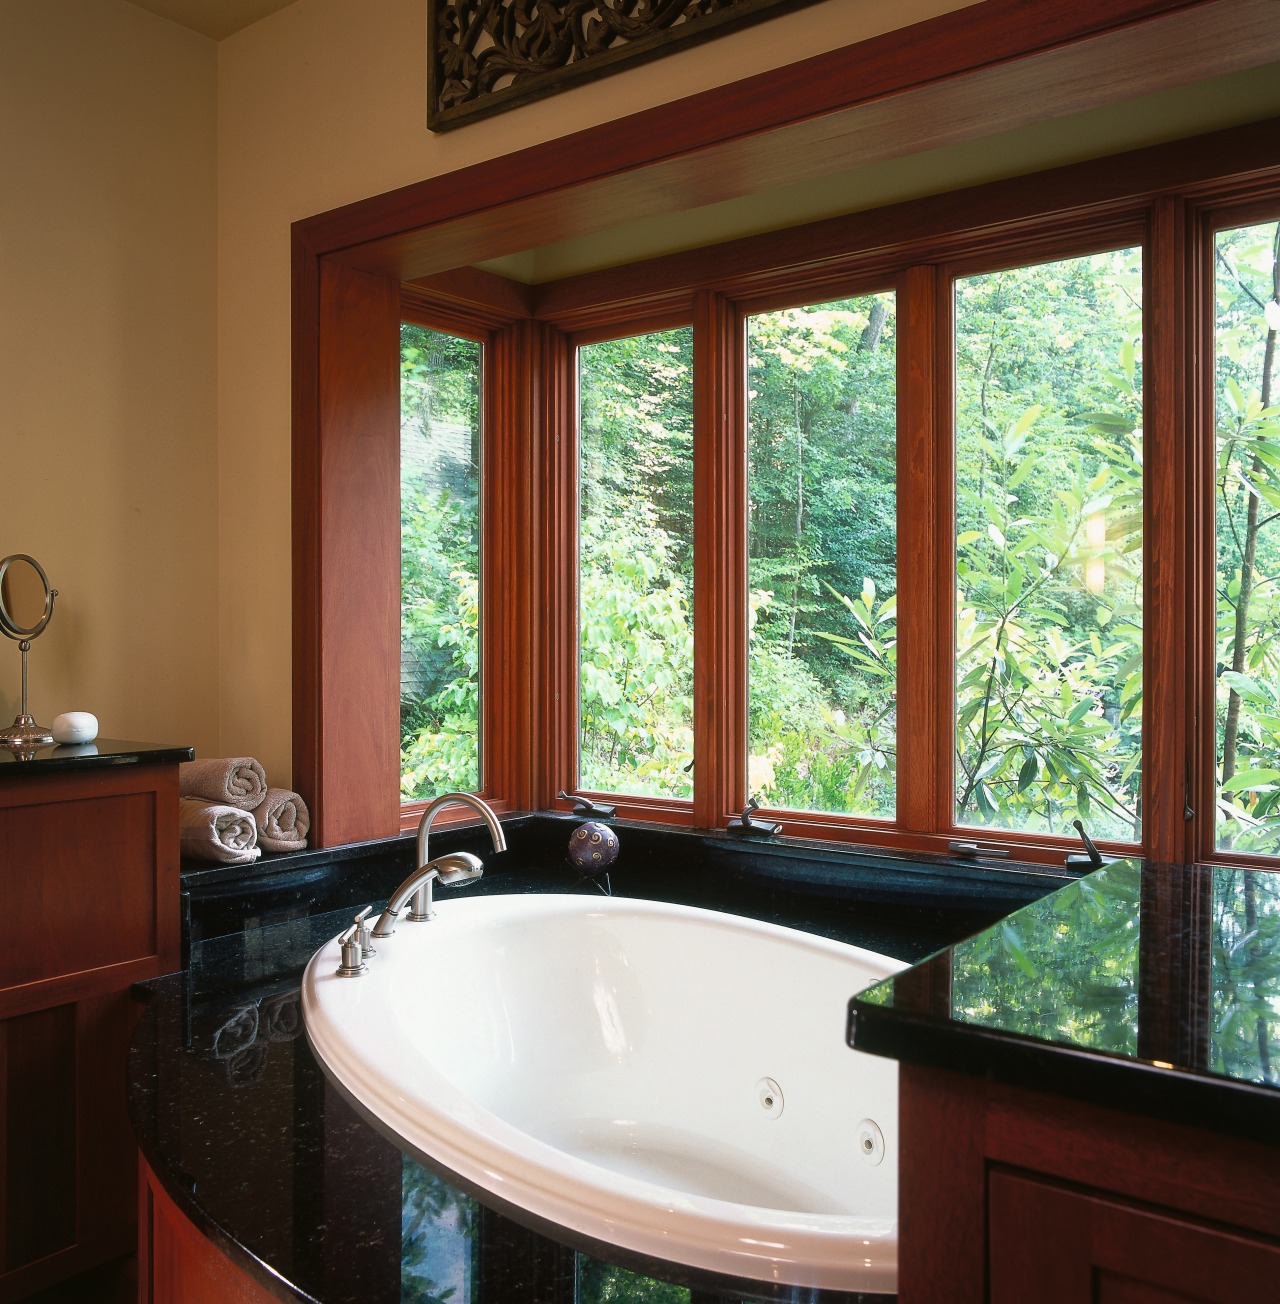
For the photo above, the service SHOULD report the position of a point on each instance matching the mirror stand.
(26, 604)
(24, 734)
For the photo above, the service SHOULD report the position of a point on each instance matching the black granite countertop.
(1149, 988)
(256, 1146)
(102, 753)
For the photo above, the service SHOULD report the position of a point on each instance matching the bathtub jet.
(668, 1080)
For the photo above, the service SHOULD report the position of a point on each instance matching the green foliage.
(821, 448)
(439, 563)
(1246, 974)
(1077, 983)
(1248, 545)
(635, 565)
(636, 659)
(1049, 546)
(603, 1283)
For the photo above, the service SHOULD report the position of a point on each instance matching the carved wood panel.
(490, 55)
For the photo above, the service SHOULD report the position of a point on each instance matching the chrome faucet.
(457, 867)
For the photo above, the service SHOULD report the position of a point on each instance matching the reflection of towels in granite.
(283, 821)
(234, 781)
(210, 831)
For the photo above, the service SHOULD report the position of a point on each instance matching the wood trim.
(411, 814)
(355, 630)
(306, 582)
(919, 689)
(648, 810)
(490, 300)
(805, 262)
(177, 1264)
(509, 658)
(720, 561)
(956, 77)
(940, 1153)
(943, 665)
(1169, 440)
(557, 631)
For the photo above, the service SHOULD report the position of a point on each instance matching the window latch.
(745, 826)
(585, 806)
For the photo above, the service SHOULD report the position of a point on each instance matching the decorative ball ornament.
(593, 847)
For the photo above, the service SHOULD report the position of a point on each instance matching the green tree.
(439, 562)
(1248, 549)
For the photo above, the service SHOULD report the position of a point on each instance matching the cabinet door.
(1056, 1245)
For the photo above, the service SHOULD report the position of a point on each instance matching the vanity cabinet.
(1008, 1195)
(89, 886)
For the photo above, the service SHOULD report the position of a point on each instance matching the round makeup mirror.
(26, 604)
(26, 600)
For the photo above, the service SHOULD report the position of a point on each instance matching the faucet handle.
(352, 962)
(363, 936)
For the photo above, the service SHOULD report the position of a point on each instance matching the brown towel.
(283, 821)
(210, 831)
(235, 781)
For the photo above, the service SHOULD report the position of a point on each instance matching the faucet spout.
(457, 867)
(482, 808)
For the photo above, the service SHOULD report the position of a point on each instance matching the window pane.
(439, 562)
(1248, 541)
(635, 619)
(1049, 546)
(822, 549)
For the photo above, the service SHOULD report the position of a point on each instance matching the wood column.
(1177, 529)
(346, 508)
(925, 744)
(720, 562)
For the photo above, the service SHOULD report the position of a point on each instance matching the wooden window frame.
(349, 267)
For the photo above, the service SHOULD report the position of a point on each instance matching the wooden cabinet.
(89, 890)
(1008, 1195)
(177, 1264)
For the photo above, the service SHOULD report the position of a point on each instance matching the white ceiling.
(215, 18)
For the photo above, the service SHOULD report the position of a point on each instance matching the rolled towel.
(210, 831)
(283, 821)
(236, 781)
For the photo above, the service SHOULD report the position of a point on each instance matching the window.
(1048, 413)
(635, 565)
(1009, 564)
(440, 407)
(821, 546)
(1247, 573)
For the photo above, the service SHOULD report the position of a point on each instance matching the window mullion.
(1178, 519)
(720, 560)
(924, 555)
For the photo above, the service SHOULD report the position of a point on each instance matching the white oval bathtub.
(666, 1079)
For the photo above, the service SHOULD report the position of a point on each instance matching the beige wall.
(324, 103)
(108, 438)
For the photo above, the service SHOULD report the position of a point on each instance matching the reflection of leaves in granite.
(437, 1229)
(245, 1067)
(282, 1016)
(1246, 975)
(603, 1283)
(238, 1032)
(1064, 968)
